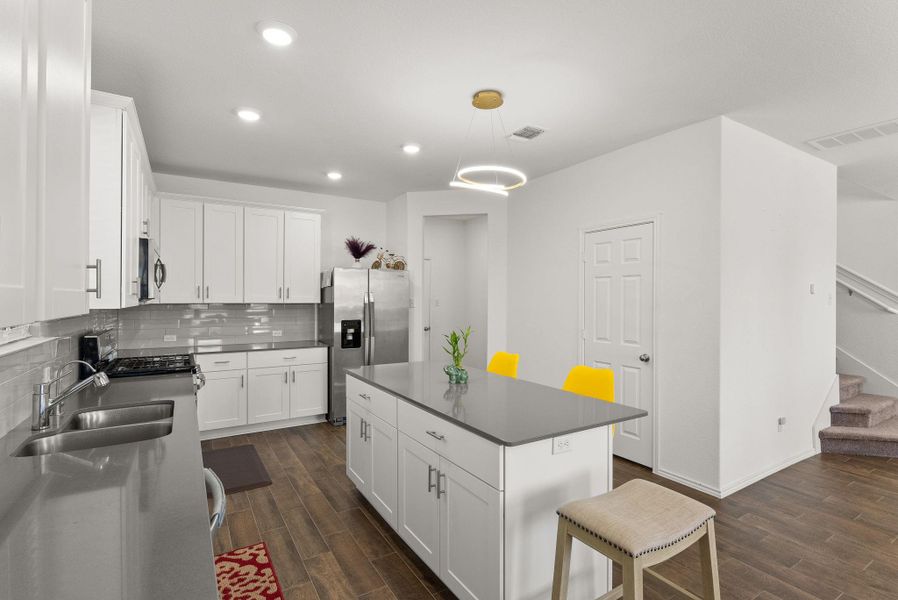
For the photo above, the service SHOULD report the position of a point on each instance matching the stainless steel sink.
(84, 439)
(99, 418)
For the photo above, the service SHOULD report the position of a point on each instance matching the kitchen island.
(470, 476)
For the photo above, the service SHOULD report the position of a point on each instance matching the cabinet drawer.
(371, 398)
(225, 361)
(283, 358)
(469, 451)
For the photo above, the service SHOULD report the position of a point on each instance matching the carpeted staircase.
(862, 424)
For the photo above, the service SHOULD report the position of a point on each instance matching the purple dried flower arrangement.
(357, 248)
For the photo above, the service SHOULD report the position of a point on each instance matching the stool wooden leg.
(632, 571)
(562, 562)
(708, 551)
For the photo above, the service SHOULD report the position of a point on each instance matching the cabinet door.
(222, 401)
(470, 534)
(106, 205)
(358, 451)
(18, 132)
(63, 156)
(132, 190)
(308, 390)
(418, 518)
(264, 256)
(223, 253)
(269, 395)
(181, 249)
(383, 488)
(302, 257)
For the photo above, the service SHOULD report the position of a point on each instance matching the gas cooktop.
(150, 365)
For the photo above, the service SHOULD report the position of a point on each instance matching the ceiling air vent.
(861, 134)
(525, 134)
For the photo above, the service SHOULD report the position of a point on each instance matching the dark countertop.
(219, 348)
(506, 411)
(126, 521)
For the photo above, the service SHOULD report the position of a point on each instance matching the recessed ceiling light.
(276, 34)
(335, 175)
(411, 148)
(250, 115)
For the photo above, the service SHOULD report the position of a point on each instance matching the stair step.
(863, 410)
(850, 386)
(879, 440)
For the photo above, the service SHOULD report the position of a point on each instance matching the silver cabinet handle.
(436, 435)
(289, 358)
(207, 292)
(198, 292)
(367, 431)
(241, 380)
(293, 374)
(280, 292)
(222, 362)
(288, 292)
(285, 377)
(362, 428)
(219, 499)
(430, 483)
(98, 267)
(441, 490)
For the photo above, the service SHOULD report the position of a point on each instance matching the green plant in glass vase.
(457, 348)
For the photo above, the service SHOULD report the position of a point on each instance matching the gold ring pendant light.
(487, 100)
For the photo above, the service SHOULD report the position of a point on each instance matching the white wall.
(342, 217)
(457, 251)
(777, 340)
(405, 230)
(867, 337)
(676, 176)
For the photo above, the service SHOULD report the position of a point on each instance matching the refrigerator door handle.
(365, 329)
(371, 328)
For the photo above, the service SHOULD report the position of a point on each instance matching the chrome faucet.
(44, 406)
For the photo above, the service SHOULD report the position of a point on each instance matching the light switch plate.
(169, 337)
(277, 332)
(560, 445)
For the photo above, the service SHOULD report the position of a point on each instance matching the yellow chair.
(504, 364)
(591, 382)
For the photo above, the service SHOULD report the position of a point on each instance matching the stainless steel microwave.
(152, 272)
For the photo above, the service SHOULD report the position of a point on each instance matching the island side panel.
(537, 483)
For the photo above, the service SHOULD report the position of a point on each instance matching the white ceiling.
(365, 77)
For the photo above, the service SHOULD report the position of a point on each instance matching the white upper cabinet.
(181, 247)
(121, 201)
(63, 112)
(18, 126)
(302, 257)
(222, 253)
(264, 266)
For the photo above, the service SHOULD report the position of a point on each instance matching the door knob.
(427, 328)
(645, 358)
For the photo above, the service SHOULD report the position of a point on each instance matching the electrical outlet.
(169, 337)
(277, 332)
(813, 289)
(560, 445)
(780, 423)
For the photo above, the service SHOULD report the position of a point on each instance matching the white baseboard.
(696, 485)
(876, 383)
(747, 481)
(257, 427)
(739, 484)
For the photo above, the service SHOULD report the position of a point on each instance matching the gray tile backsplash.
(19, 371)
(214, 324)
(144, 327)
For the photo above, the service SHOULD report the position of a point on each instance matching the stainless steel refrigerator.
(363, 316)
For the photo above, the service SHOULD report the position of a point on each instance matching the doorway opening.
(455, 283)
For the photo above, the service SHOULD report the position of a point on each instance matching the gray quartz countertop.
(219, 348)
(504, 410)
(126, 521)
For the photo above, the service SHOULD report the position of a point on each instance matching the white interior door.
(618, 313)
(425, 303)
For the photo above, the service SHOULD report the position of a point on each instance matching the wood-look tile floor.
(825, 528)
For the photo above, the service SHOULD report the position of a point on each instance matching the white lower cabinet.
(222, 401)
(269, 394)
(418, 520)
(308, 390)
(371, 445)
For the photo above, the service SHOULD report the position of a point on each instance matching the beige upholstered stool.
(637, 525)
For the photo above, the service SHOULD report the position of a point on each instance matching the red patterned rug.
(247, 574)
